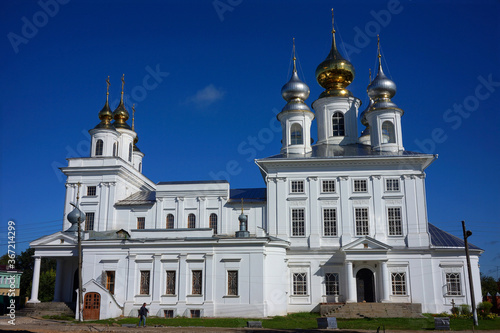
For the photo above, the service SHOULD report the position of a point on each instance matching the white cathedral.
(340, 221)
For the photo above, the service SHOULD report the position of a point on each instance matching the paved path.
(29, 324)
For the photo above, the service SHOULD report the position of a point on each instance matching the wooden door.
(91, 306)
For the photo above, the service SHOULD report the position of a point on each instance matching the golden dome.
(120, 114)
(335, 73)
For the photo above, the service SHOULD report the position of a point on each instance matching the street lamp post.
(471, 284)
(76, 216)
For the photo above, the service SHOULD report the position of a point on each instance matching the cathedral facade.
(343, 220)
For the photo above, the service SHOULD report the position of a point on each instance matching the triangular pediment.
(366, 244)
(57, 239)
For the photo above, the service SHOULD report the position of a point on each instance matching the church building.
(343, 220)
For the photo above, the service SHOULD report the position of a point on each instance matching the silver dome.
(381, 86)
(295, 88)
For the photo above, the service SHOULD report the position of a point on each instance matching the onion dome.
(120, 115)
(335, 73)
(105, 115)
(382, 89)
(295, 92)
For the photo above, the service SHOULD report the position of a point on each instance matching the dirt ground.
(29, 324)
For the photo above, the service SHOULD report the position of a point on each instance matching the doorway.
(91, 306)
(365, 286)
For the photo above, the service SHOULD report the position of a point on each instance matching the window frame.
(362, 227)
(141, 222)
(170, 224)
(332, 181)
(457, 283)
(299, 287)
(298, 226)
(212, 223)
(111, 281)
(170, 282)
(89, 221)
(332, 287)
(296, 139)
(99, 147)
(191, 220)
(232, 283)
(399, 283)
(297, 186)
(393, 225)
(144, 282)
(334, 222)
(91, 189)
(390, 188)
(362, 182)
(338, 127)
(197, 281)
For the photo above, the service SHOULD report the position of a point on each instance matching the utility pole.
(77, 216)
(471, 284)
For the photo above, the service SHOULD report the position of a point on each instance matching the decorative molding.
(393, 202)
(360, 202)
(178, 199)
(314, 178)
(343, 178)
(201, 198)
(329, 202)
(375, 177)
(422, 175)
(297, 203)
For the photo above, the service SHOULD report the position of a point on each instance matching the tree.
(488, 285)
(25, 263)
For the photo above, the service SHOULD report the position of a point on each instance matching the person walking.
(143, 313)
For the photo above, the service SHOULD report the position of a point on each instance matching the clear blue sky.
(219, 67)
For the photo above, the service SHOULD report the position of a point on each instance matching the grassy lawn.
(308, 321)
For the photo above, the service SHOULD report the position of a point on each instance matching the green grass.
(308, 321)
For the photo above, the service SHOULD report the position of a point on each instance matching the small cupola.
(104, 135)
(384, 116)
(120, 114)
(295, 117)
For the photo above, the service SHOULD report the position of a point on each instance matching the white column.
(59, 280)
(313, 219)
(183, 279)
(157, 273)
(209, 278)
(385, 282)
(36, 280)
(351, 283)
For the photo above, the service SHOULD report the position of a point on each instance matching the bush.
(483, 309)
(465, 310)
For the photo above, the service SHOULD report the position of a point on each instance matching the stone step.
(372, 310)
(46, 309)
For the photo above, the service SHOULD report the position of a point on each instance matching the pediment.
(366, 244)
(57, 239)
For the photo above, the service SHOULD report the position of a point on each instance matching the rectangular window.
(91, 190)
(110, 281)
(197, 283)
(330, 222)
(453, 284)
(361, 221)
(299, 283)
(144, 288)
(169, 313)
(170, 283)
(394, 220)
(298, 228)
(195, 313)
(89, 221)
(232, 283)
(392, 185)
(297, 186)
(328, 186)
(141, 222)
(360, 185)
(398, 283)
(332, 284)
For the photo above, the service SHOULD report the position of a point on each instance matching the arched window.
(191, 221)
(338, 128)
(213, 222)
(140, 167)
(170, 221)
(296, 134)
(98, 147)
(114, 149)
(388, 130)
(130, 152)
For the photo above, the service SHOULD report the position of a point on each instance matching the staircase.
(371, 310)
(47, 309)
